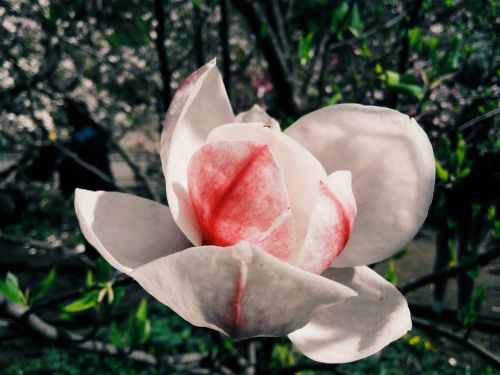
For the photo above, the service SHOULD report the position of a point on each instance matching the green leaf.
(89, 279)
(334, 99)
(305, 48)
(196, 3)
(414, 38)
(365, 50)
(390, 273)
(338, 18)
(441, 172)
(12, 293)
(142, 311)
(88, 301)
(355, 25)
(103, 272)
(116, 337)
(264, 32)
(403, 84)
(473, 308)
(43, 287)
(11, 279)
(139, 325)
(450, 60)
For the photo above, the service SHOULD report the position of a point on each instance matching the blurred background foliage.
(117, 63)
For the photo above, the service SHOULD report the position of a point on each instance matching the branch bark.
(50, 332)
(446, 273)
(474, 347)
(135, 170)
(166, 93)
(268, 42)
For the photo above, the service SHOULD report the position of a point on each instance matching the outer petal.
(127, 230)
(199, 105)
(358, 327)
(237, 192)
(257, 114)
(240, 290)
(330, 224)
(302, 171)
(392, 165)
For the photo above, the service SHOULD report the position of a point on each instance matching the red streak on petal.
(237, 193)
(236, 300)
(329, 229)
(341, 232)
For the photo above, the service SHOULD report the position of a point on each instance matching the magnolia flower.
(264, 234)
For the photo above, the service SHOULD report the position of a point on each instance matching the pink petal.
(330, 224)
(238, 193)
(240, 290)
(392, 166)
(301, 170)
(357, 327)
(199, 105)
(127, 230)
(257, 114)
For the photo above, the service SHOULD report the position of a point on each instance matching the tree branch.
(268, 42)
(162, 54)
(43, 245)
(466, 343)
(50, 332)
(135, 170)
(478, 119)
(446, 273)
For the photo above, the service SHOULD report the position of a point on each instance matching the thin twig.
(467, 343)
(73, 156)
(135, 170)
(478, 119)
(46, 246)
(43, 329)
(446, 273)
(50, 332)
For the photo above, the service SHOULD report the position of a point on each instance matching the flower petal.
(392, 166)
(238, 193)
(240, 290)
(330, 224)
(127, 230)
(357, 327)
(301, 170)
(199, 105)
(257, 114)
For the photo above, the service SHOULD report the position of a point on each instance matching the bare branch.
(44, 245)
(452, 336)
(50, 332)
(479, 260)
(135, 170)
(268, 42)
(478, 119)
(162, 53)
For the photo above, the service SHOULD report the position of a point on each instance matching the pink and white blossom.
(269, 233)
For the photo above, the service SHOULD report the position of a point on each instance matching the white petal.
(239, 290)
(199, 105)
(330, 224)
(392, 166)
(128, 231)
(301, 170)
(257, 114)
(357, 327)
